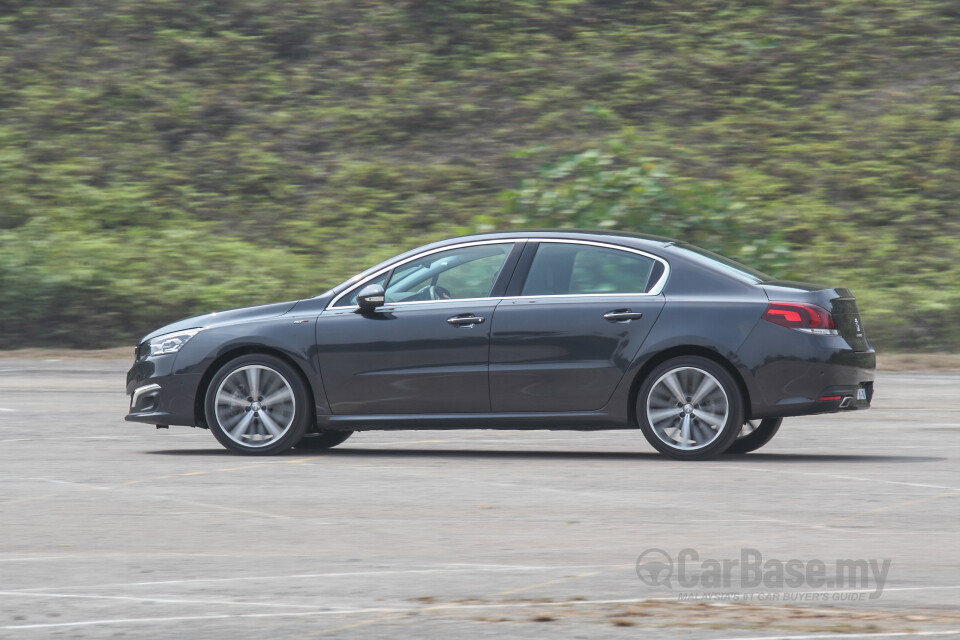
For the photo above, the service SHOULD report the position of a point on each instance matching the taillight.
(803, 317)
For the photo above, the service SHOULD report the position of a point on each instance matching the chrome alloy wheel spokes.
(255, 405)
(687, 408)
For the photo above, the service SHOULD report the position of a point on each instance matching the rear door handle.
(622, 315)
(465, 320)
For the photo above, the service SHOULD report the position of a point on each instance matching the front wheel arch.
(238, 419)
(677, 352)
(199, 412)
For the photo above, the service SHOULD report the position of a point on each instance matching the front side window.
(576, 269)
(464, 272)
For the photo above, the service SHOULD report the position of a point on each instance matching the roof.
(635, 239)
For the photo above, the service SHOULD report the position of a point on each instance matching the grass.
(160, 159)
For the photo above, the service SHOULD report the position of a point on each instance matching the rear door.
(571, 325)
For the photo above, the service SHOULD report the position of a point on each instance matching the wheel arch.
(676, 352)
(200, 399)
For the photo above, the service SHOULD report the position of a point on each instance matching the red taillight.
(804, 317)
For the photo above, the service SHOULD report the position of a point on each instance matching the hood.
(230, 316)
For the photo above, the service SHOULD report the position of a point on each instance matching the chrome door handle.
(466, 320)
(622, 315)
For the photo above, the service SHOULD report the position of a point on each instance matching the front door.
(425, 351)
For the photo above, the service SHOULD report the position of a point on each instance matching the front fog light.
(171, 342)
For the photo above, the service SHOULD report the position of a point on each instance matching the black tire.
(760, 436)
(711, 421)
(322, 440)
(276, 424)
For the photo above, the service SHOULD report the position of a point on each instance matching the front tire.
(258, 404)
(322, 440)
(690, 408)
(754, 434)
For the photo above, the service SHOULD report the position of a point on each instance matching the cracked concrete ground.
(112, 529)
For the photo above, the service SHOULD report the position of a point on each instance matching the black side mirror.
(371, 297)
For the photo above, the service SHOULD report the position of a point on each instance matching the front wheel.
(754, 434)
(690, 408)
(258, 404)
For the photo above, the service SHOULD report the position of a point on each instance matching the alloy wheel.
(687, 408)
(255, 406)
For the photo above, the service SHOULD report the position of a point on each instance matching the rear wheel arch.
(199, 412)
(676, 352)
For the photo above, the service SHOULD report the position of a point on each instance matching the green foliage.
(165, 157)
(71, 288)
(616, 188)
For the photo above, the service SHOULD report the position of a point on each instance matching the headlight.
(171, 342)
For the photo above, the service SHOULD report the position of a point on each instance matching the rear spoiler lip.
(838, 293)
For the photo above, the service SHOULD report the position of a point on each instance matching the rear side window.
(576, 269)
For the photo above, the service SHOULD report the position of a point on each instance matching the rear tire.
(760, 435)
(322, 440)
(690, 408)
(258, 405)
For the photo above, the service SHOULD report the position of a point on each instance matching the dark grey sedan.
(522, 330)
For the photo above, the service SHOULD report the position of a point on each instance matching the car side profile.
(519, 330)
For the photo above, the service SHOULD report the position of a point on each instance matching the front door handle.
(465, 320)
(622, 315)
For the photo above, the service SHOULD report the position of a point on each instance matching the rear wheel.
(754, 434)
(690, 408)
(322, 440)
(258, 404)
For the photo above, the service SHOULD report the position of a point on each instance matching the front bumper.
(159, 395)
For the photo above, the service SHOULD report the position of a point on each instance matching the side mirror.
(371, 297)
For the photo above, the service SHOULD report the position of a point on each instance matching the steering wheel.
(434, 292)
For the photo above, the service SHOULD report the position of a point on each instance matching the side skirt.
(580, 420)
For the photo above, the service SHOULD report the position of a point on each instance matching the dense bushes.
(165, 157)
(616, 188)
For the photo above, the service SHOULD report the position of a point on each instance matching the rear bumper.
(789, 373)
(831, 400)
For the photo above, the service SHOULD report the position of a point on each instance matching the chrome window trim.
(655, 290)
(334, 302)
(581, 295)
(390, 305)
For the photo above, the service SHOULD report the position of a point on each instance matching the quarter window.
(576, 269)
